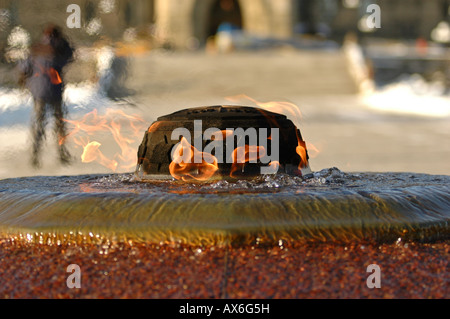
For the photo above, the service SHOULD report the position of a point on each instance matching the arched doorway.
(307, 17)
(208, 15)
(138, 12)
(224, 13)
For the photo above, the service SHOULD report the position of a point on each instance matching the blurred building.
(180, 23)
(98, 17)
(406, 19)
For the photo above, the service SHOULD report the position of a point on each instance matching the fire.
(274, 167)
(301, 151)
(313, 151)
(225, 135)
(292, 112)
(287, 108)
(125, 130)
(92, 153)
(244, 154)
(183, 167)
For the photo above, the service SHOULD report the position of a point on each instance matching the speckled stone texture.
(298, 270)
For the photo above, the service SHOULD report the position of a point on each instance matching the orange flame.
(301, 151)
(241, 155)
(189, 171)
(274, 167)
(287, 108)
(183, 167)
(292, 112)
(92, 153)
(313, 151)
(225, 135)
(125, 130)
(244, 154)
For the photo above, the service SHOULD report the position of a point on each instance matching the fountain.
(222, 123)
(262, 200)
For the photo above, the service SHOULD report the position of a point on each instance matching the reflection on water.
(332, 205)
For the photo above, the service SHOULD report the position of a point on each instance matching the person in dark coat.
(41, 73)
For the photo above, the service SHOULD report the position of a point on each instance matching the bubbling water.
(330, 206)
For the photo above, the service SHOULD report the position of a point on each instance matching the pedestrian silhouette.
(41, 73)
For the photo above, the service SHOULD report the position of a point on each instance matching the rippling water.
(331, 205)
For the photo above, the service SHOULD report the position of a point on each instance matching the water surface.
(332, 205)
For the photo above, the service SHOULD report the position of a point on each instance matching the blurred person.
(41, 73)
